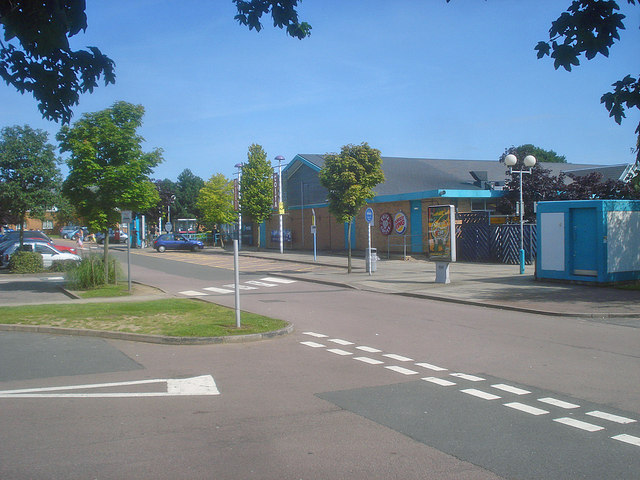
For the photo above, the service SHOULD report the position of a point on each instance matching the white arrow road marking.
(202, 385)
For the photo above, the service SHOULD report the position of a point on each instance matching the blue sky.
(413, 78)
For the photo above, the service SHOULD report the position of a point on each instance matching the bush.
(63, 266)
(25, 262)
(89, 273)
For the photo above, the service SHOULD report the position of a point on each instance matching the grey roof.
(611, 172)
(406, 175)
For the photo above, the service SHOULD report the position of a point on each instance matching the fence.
(495, 243)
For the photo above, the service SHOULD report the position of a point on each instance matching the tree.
(256, 187)
(187, 188)
(108, 171)
(589, 28)
(350, 177)
(29, 174)
(35, 55)
(215, 201)
(545, 156)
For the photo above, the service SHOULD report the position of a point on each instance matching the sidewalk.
(488, 285)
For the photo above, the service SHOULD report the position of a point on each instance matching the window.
(47, 224)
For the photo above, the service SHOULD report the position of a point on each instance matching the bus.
(186, 225)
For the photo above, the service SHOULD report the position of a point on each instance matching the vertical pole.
(302, 209)
(239, 208)
(129, 260)
(521, 227)
(369, 243)
(280, 204)
(236, 269)
(313, 212)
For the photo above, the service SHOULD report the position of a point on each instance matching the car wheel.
(194, 248)
(65, 236)
(161, 248)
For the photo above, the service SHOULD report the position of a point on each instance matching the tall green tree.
(542, 155)
(256, 187)
(215, 201)
(29, 174)
(350, 178)
(108, 170)
(35, 55)
(187, 189)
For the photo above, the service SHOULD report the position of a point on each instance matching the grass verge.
(171, 317)
(120, 290)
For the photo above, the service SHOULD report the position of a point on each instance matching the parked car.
(67, 231)
(176, 241)
(112, 237)
(36, 235)
(49, 253)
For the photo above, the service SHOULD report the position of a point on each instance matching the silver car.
(49, 253)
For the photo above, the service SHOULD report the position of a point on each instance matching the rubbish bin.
(371, 258)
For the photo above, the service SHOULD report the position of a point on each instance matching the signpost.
(313, 232)
(368, 216)
(126, 216)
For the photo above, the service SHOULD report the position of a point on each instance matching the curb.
(139, 337)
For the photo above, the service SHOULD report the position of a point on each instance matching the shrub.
(63, 266)
(25, 262)
(89, 273)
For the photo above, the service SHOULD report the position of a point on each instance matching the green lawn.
(172, 317)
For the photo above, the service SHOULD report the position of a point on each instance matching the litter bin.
(371, 258)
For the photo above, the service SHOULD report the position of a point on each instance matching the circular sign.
(368, 215)
(168, 227)
(400, 223)
(386, 223)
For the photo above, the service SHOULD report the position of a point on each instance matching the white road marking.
(439, 381)
(402, 370)
(53, 278)
(314, 334)
(465, 376)
(572, 422)
(558, 403)
(369, 349)
(240, 287)
(337, 351)
(312, 344)
(192, 293)
(526, 408)
(628, 439)
(260, 284)
(431, 367)
(218, 290)
(201, 385)
(368, 360)
(278, 280)
(480, 394)
(610, 417)
(511, 389)
(400, 358)
(339, 341)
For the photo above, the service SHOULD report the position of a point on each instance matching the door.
(416, 226)
(584, 242)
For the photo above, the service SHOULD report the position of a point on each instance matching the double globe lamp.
(529, 161)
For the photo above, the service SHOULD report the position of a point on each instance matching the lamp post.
(280, 158)
(529, 161)
(239, 167)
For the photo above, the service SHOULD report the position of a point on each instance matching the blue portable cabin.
(592, 241)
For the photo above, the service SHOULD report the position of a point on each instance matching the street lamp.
(529, 161)
(280, 158)
(239, 167)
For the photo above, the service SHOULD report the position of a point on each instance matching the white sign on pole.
(127, 216)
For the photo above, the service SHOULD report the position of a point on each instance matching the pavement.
(487, 285)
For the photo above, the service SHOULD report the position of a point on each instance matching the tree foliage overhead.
(29, 174)
(350, 178)
(35, 55)
(283, 13)
(542, 155)
(108, 170)
(256, 187)
(589, 28)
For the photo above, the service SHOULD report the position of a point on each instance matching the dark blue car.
(175, 241)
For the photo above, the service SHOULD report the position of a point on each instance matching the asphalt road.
(368, 386)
